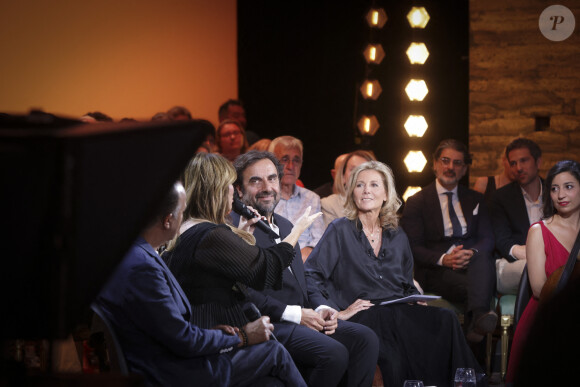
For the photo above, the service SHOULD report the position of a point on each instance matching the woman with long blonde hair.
(212, 260)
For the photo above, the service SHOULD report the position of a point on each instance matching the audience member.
(128, 120)
(260, 145)
(150, 315)
(294, 199)
(93, 117)
(161, 116)
(308, 328)
(213, 261)
(231, 139)
(452, 241)
(233, 109)
(326, 189)
(333, 205)
(513, 209)
(179, 113)
(365, 259)
(548, 245)
(487, 185)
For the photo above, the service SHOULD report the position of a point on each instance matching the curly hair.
(388, 216)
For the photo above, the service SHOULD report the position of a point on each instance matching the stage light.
(418, 17)
(371, 89)
(374, 53)
(376, 18)
(417, 53)
(416, 126)
(411, 190)
(415, 161)
(416, 89)
(368, 125)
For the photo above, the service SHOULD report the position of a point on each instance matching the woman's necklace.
(371, 235)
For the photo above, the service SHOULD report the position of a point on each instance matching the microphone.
(240, 208)
(253, 313)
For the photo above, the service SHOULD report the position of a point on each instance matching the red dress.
(556, 256)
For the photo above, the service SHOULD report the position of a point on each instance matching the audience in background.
(260, 145)
(231, 139)
(92, 117)
(333, 205)
(161, 116)
(327, 188)
(233, 109)
(452, 240)
(548, 246)
(151, 317)
(487, 185)
(294, 199)
(514, 208)
(179, 113)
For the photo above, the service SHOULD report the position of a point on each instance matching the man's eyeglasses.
(295, 160)
(447, 161)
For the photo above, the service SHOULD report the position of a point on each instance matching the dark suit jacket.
(509, 217)
(423, 222)
(294, 290)
(150, 314)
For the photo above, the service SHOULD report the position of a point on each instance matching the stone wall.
(517, 75)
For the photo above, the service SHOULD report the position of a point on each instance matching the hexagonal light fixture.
(416, 126)
(415, 161)
(376, 18)
(416, 89)
(418, 17)
(368, 125)
(410, 191)
(374, 53)
(371, 89)
(417, 53)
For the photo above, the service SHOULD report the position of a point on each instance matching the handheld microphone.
(241, 209)
(253, 313)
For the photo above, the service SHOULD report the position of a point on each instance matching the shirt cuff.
(511, 255)
(321, 308)
(292, 313)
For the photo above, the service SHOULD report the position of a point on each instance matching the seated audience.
(327, 189)
(333, 205)
(327, 349)
(151, 316)
(514, 208)
(233, 109)
(452, 241)
(179, 113)
(260, 145)
(487, 185)
(93, 117)
(213, 261)
(231, 139)
(365, 259)
(161, 116)
(548, 246)
(293, 198)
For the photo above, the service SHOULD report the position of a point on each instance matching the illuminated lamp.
(411, 190)
(418, 17)
(417, 53)
(416, 126)
(371, 89)
(415, 161)
(376, 18)
(368, 125)
(374, 53)
(416, 89)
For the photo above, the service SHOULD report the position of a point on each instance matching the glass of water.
(465, 377)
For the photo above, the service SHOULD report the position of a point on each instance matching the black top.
(209, 261)
(345, 265)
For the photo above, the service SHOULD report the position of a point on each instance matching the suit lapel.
(434, 208)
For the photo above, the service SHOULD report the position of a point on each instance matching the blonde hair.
(339, 183)
(219, 137)
(388, 217)
(207, 180)
(260, 145)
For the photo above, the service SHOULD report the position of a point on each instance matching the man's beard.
(264, 210)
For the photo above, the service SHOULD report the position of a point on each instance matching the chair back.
(117, 360)
(523, 296)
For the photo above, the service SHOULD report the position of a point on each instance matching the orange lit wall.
(126, 58)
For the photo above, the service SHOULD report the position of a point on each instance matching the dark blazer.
(509, 217)
(150, 314)
(423, 222)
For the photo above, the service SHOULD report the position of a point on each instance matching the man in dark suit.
(452, 242)
(150, 314)
(514, 208)
(322, 346)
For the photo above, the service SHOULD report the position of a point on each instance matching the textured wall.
(517, 74)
